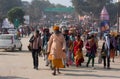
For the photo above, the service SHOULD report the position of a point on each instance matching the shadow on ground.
(77, 70)
(97, 68)
(112, 69)
(89, 70)
(3, 54)
(93, 75)
(16, 51)
(11, 77)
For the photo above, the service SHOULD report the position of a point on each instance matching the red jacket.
(89, 48)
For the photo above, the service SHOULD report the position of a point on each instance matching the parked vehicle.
(10, 41)
(12, 31)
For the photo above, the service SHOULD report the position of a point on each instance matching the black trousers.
(106, 60)
(35, 55)
(93, 61)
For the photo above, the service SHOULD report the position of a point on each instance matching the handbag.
(87, 55)
(29, 47)
(103, 54)
(100, 59)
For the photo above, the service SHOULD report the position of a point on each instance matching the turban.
(55, 27)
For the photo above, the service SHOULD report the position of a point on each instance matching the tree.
(118, 10)
(88, 6)
(16, 15)
(6, 5)
(95, 6)
(37, 7)
(60, 6)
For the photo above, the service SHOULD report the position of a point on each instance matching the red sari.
(78, 55)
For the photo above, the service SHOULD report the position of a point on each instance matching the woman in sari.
(70, 47)
(78, 45)
(56, 49)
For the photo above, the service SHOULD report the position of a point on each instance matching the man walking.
(35, 44)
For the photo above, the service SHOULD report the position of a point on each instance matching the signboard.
(59, 9)
(27, 19)
(16, 23)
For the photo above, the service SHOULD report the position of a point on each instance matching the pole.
(118, 23)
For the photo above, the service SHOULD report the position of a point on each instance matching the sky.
(63, 2)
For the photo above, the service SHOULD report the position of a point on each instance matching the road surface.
(18, 65)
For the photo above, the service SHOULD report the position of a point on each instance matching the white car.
(10, 41)
(12, 31)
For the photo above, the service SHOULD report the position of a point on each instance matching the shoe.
(86, 65)
(59, 72)
(76, 65)
(93, 67)
(51, 68)
(67, 64)
(46, 65)
(108, 68)
(80, 64)
(54, 73)
(36, 68)
(104, 67)
(113, 61)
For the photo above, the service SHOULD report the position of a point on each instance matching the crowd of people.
(61, 49)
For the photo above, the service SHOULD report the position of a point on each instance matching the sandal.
(59, 72)
(54, 73)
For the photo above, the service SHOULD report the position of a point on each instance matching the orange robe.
(55, 45)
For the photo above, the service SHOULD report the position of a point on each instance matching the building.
(116, 1)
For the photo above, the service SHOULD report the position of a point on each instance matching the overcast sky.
(63, 2)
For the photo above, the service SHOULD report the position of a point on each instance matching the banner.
(104, 26)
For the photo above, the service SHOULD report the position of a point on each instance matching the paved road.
(18, 65)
